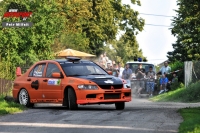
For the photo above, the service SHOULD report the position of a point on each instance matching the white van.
(133, 65)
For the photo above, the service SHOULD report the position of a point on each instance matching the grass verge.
(191, 123)
(189, 94)
(9, 107)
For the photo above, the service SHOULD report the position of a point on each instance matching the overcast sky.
(156, 41)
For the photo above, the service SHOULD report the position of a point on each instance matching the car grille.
(112, 96)
(120, 86)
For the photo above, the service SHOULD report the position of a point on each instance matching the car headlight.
(88, 87)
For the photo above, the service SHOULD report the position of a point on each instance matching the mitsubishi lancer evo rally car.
(70, 82)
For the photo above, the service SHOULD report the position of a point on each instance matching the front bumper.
(104, 96)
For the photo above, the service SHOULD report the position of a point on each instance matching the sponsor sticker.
(109, 82)
(54, 82)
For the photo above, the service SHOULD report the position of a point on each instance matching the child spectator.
(140, 73)
(173, 83)
(150, 75)
(163, 83)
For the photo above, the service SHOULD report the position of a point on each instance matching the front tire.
(24, 98)
(120, 106)
(72, 99)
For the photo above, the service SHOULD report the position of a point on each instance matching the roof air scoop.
(73, 59)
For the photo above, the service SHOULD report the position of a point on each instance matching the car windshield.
(134, 66)
(82, 69)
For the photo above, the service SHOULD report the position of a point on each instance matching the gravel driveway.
(140, 116)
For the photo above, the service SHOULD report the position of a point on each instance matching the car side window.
(38, 70)
(52, 68)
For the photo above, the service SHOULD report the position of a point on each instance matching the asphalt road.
(139, 116)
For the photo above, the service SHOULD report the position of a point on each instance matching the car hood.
(102, 79)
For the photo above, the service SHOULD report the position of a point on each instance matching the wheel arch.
(17, 100)
(65, 94)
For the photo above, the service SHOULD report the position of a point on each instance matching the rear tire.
(120, 106)
(24, 98)
(72, 99)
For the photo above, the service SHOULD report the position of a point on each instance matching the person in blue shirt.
(127, 75)
(163, 83)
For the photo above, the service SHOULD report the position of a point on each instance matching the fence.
(5, 86)
(191, 72)
(6, 78)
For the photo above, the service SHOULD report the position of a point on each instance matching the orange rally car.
(71, 82)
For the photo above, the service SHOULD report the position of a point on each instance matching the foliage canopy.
(85, 25)
(186, 28)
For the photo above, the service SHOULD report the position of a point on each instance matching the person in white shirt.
(101, 60)
(106, 59)
(120, 70)
(165, 69)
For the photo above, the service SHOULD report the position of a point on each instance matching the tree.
(186, 28)
(77, 14)
(93, 23)
(126, 50)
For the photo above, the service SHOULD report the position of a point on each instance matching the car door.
(34, 81)
(52, 87)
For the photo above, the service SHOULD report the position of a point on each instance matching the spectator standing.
(120, 70)
(163, 83)
(109, 68)
(104, 67)
(157, 81)
(113, 62)
(150, 81)
(101, 60)
(127, 75)
(117, 66)
(114, 71)
(106, 60)
(165, 69)
(140, 73)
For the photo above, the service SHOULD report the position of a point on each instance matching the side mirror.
(18, 71)
(56, 75)
(109, 72)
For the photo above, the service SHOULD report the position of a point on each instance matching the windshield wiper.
(96, 74)
(75, 75)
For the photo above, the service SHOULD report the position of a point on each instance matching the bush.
(189, 94)
(192, 92)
